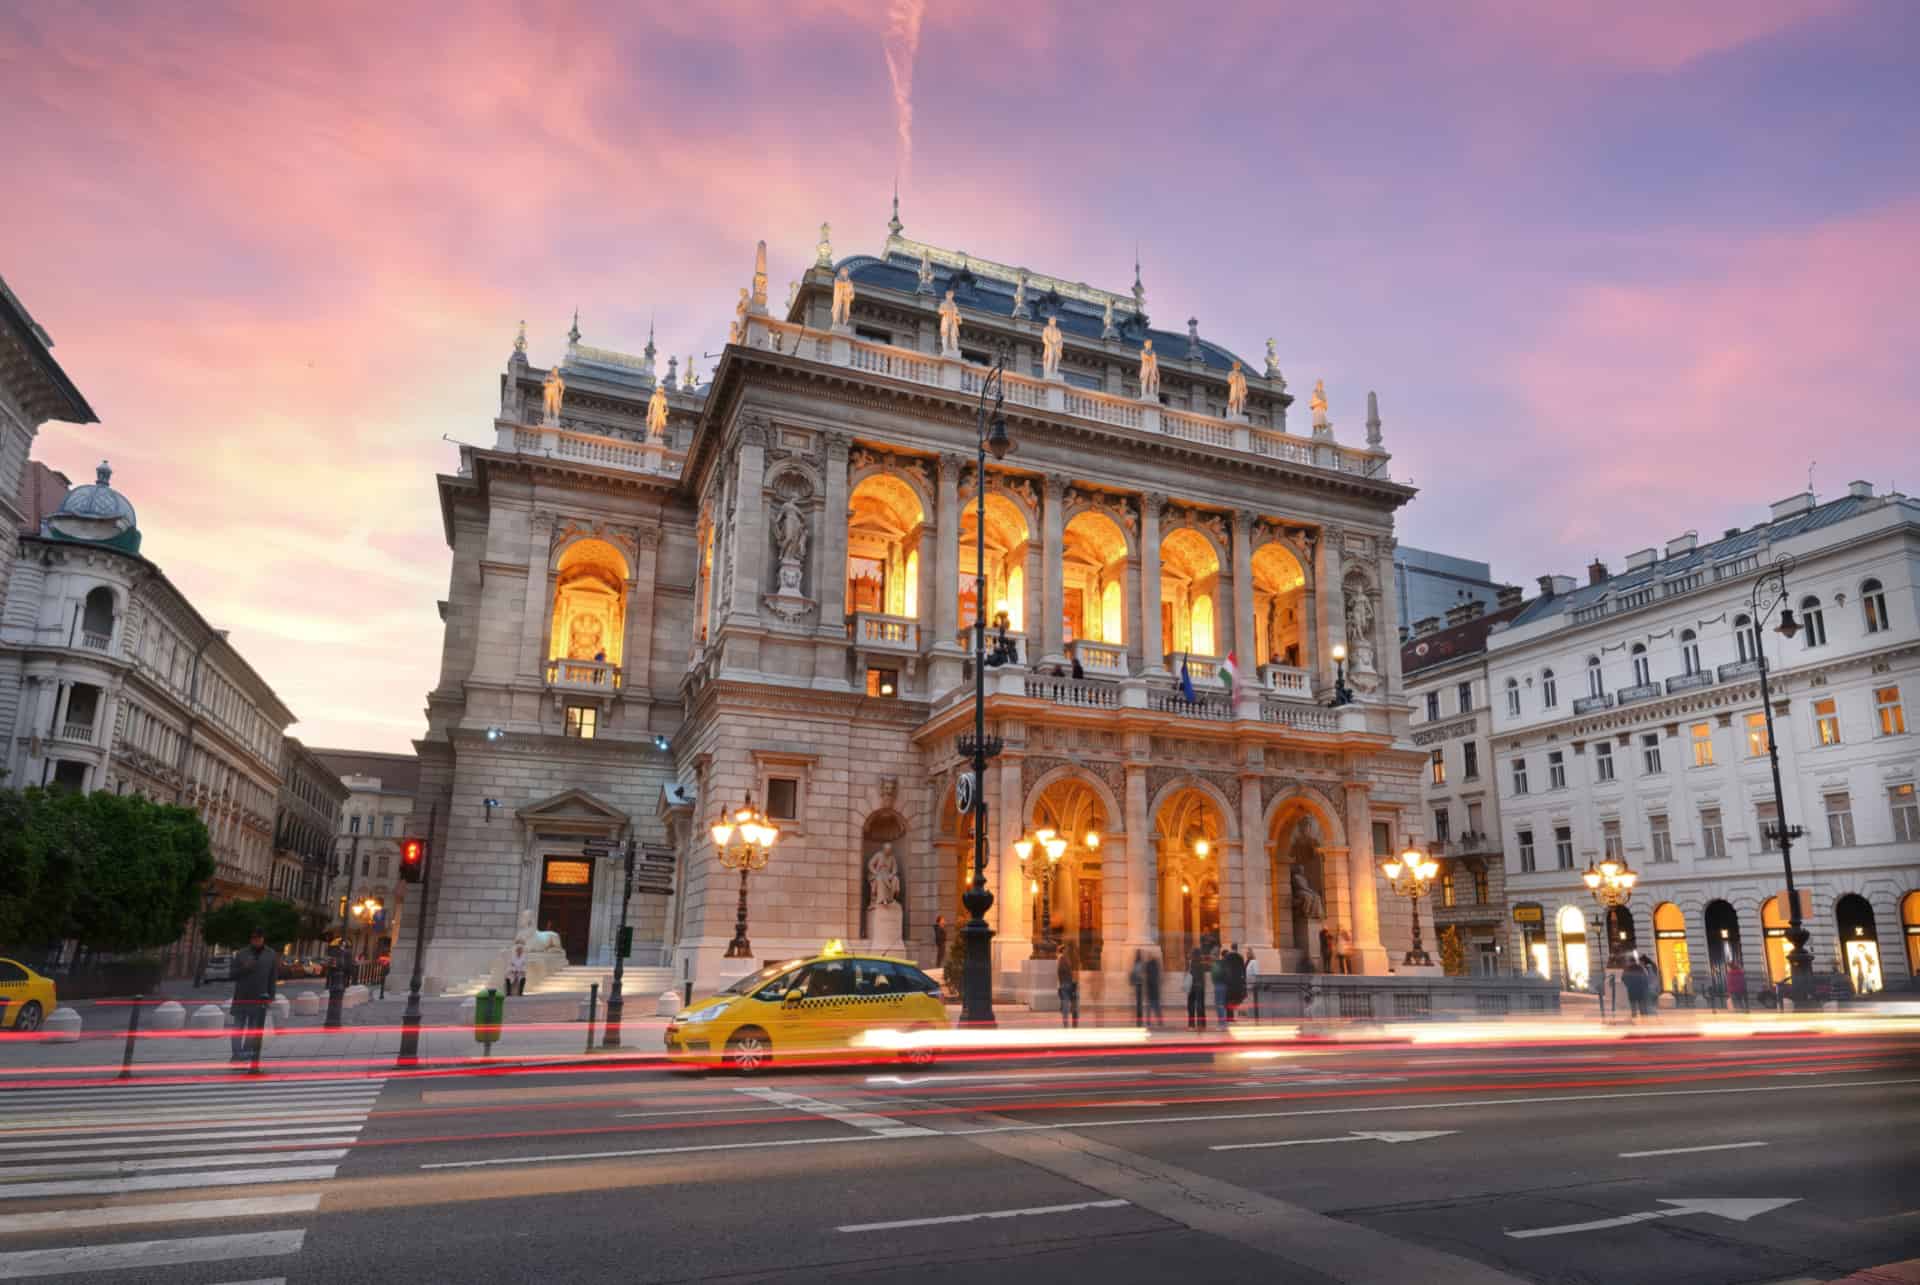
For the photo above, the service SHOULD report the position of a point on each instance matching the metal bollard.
(133, 1029)
(593, 1004)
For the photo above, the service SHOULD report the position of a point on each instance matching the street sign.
(649, 868)
(653, 890)
(662, 855)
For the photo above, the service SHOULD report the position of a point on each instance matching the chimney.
(1511, 595)
(1682, 544)
(1596, 572)
(1461, 612)
(1860, 490)
(1546, 586)
(1563, 584)
(1426, 625)
(1641, 558)
(1729, 533)
(1792, 506)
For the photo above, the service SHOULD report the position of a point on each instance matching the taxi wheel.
(749, 1050)
(29, 1019)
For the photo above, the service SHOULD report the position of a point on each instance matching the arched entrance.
(1773, 930)
(1575, 962)
(1531, 917)
(1670, 948)
(1073, 810)
(1622, 938)
(1910, 923)
(1189, 837)
(1723, 936)
(1854, 918)
(1297, 880)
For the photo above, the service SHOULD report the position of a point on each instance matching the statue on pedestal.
(1307, 903)
(1020, 308)
(657, 407)
(1236, 392)
(760, 277)
(1273, 361)
(885, 915)
(1318, 405)
(883, 877)
(1051, 345)
(1360, 628)
(1107, 329)
(790, 541)
(737, 332)
(843, 299)
(925, 285)
(1149, 373)
(949, 327)
(823, 253)
(553, 389)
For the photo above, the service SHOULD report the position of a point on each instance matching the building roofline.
(71, 407)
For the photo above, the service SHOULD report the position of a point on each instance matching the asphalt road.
(1759, 1159)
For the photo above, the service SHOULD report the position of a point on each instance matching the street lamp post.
(743, 840)
(1773, 581)
(976, 977)
(1342, 694)
(1410, 875)
(1611, 883)
(1050, 844)
(616, 1003)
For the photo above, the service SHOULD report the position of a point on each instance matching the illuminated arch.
(1189, 593)
(884, 523)
(1093, 562)
(589, 603)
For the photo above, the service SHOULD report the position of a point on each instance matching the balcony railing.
(1201, 669)
(1587, 704)
(587, 445)
(95, 642)
(1306, 718)
(1739, 669)
(1688, 682)
(82, 732)
(1286, 680)
(873, 631)
(583, 675)
(1216, 708)
(1638, 692)
(1087, 693)
(1019, 641)
(1098, 659)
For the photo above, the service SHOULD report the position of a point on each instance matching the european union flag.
(1186, 682)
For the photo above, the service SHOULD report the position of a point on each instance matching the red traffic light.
(413, 859)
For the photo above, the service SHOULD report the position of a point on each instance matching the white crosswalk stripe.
(82, 1162)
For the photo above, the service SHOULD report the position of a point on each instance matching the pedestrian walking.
(1198, 974)
(1137, 975)
(940, 940)
(1635, 977)
(1253, 984)
(1217, 973)
(1737, 985)
(1326, 951)
(256, 972)
(1067, 971)
(1236, 968)
(1150, 977)
(517, 969)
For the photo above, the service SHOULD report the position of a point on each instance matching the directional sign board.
(653, 890)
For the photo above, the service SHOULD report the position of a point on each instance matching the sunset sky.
(1617, 268)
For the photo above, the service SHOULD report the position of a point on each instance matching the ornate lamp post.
(1611, 883)
(743, 841)
(363, 912)
(1772, 585)
(976, 977)
(1051, 845)
(1342, 694)
(1410, 875)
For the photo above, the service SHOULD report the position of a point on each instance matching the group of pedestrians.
(1228, 972)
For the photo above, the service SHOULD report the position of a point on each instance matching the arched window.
(912, 586)
(1549, 689)
(1910, 926)
(1513, 698)
(1746, 637)
(1642, 673)
(1859, 941)
(1873, 602)
(1596, 686)
(96, 619)
(1813, 622)
(1689, 652)
(1203, 624)
(1670, 938)
(1113, 612)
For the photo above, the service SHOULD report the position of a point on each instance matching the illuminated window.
(1873, 602)
(1886, 705)
(1826, 720)
(1480, 894)
(1840, 819)
(1701, 735)
(581, 721)
(1439, 761)
(1756, 734)
(1446, 886)
(1603, 760)
(1906, 813)
(1203, 625)
(1713, 835)
(883, 682)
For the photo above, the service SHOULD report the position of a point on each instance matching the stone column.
(1312, 653)
(1151, 657)
(535, 604)
(636, 653)
(1360, 874)
(830, 546)
(1256, 867)
(1386, 619)
(748, 547)
(946, 554)
(1332, 622)
(1053, 572)
(1140, 866)
(1243, 635)
(1013, 939)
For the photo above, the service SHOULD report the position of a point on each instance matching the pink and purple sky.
(1617, 268)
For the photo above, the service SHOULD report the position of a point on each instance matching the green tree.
(1453, 953)
(115, 872)
(232, 924)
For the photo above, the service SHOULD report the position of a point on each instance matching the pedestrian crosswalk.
(88, 1176)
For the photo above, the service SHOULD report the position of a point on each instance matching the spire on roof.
(1373, 420)
(520, 345)
(647, 352)
(673, 378)
(1194, 351)
(1139, 291)
(573, 333)
(693, 376)
(893, 224)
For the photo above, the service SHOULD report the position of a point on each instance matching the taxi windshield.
(754, 981)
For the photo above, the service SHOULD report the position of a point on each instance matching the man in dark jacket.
(1199, 973)
(255, 977)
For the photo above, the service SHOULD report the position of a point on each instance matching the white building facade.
(1628, 722)
(365, 845)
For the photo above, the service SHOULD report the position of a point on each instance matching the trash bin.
(489, 1011)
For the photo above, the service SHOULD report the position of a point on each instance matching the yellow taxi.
(808, 1008)
(25, 996)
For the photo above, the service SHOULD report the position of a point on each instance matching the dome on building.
(97, 512)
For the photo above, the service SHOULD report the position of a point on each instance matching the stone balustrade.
(81, 732)
(1287, 680)
(95, 642)
(1086, 693)
(1099, 659)
(1201, 669)
(585, 447)
(875, 631)
(583, 675)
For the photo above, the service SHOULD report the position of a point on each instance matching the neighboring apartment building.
(311, 798)
(1428, 585)
(666, 601)
(1628, 723)
(114, 682)
(1446, 674)
(365, 843)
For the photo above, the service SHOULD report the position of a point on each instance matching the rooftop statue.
(760, 277)
(1051, 345)
(1273, 361)
(949, 327)
(1107, 329)
(823, 253)
(1020, 296)
(843, 299)
(1318, 403)
(737, 332)
(1236, 391)
(520, 340)
(926, 272)
(553, 388)
(657, 409)
(1149, 373)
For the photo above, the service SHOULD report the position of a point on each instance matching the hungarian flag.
(1229, 673)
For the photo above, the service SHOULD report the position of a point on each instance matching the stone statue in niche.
(1149, 373)
(552, 390)
(1307, 903)
(657, 412)
(883, 877)
(790, 540)
(1051, 345)
(1360, 628)
(842, 299)
(886, 917)
(1236, 392)
(949, 327)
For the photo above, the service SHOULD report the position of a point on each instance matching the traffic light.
(413, 859)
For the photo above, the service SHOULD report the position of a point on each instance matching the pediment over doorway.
(573, 812)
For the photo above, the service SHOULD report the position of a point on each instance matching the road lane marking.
(1684, 1151)
(147, 1253)
(115, 1168)
(659, 1151)
(908, 1081)
(1377, 1136)
(994, 1213)
(134, 1215)
(170, 1140)
(169, 1182)
(173, 1128)
(742, 1109)
(1738, 1211)
(248, 1149)
(851, 1116)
